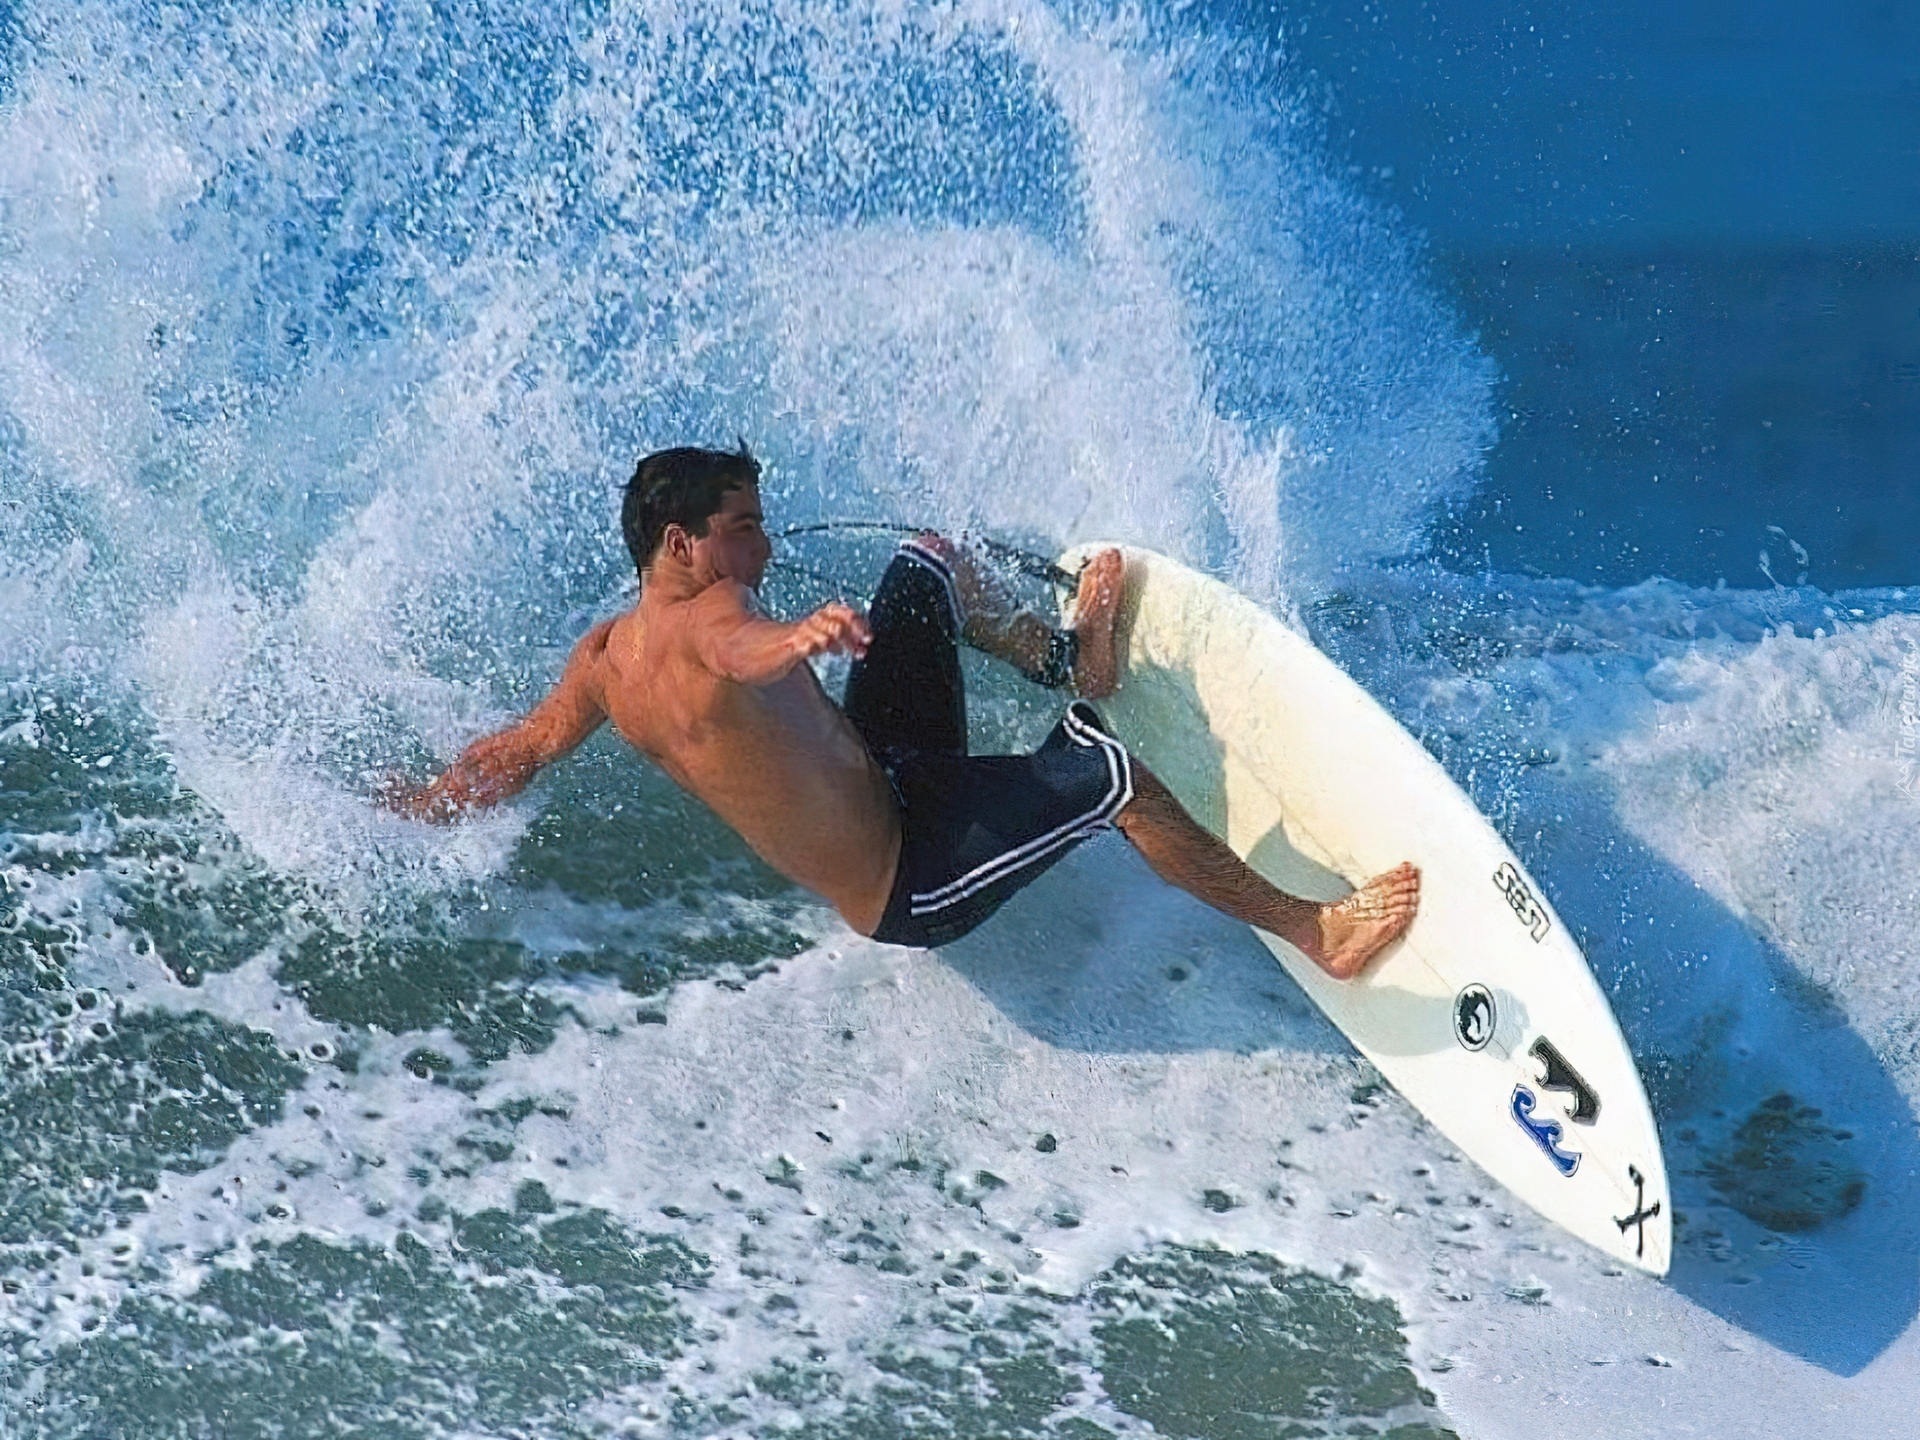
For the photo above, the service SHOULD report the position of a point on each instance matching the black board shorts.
(976, 828)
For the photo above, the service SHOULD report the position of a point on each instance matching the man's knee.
(937, 557)
(1151, 802)
(935, 543)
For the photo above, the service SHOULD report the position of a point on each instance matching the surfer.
(876, 805)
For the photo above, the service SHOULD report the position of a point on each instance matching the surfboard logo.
(1642, 1212)
(1473, 1017)
(1562, 1076)
(1526, 909)
(1545, 1133)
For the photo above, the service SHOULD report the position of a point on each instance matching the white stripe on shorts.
(936, 562)
(1119, 793)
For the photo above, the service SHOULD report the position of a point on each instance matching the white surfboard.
(1484, 1015)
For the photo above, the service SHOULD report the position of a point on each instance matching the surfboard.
(1484, 1015)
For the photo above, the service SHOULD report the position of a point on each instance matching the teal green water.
(541, 1318)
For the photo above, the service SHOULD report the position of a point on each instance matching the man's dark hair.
(683, 486)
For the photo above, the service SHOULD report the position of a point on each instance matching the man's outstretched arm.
(499, 765)
(1340, 937)
(736, 642)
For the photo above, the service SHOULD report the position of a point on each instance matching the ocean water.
(328, 333)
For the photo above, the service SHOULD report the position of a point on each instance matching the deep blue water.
(1690, 236)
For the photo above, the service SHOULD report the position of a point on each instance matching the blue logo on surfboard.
(1545, 1133)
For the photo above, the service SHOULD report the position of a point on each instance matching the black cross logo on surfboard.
(1641, 1212)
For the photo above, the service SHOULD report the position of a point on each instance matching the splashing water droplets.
(332, 338)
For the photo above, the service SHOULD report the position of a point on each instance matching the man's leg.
(997, 625)
(906, 693)
(1339, 937)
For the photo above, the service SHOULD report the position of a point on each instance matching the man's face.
(735, 546)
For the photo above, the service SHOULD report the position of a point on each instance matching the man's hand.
(412, 798)
(835, 628)
(488, 771)
(434, 802)
(499, 765)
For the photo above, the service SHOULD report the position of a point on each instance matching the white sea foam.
(1061, 1022)
(1778, 775)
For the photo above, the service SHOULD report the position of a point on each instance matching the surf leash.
(1012, 556)
(1063, 646)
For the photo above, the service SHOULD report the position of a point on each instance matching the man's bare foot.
(1354, 930)
(1096, 670)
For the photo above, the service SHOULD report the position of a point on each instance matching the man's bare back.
(721, 697)
(723, 700)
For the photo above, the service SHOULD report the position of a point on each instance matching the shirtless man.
(877, 807)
